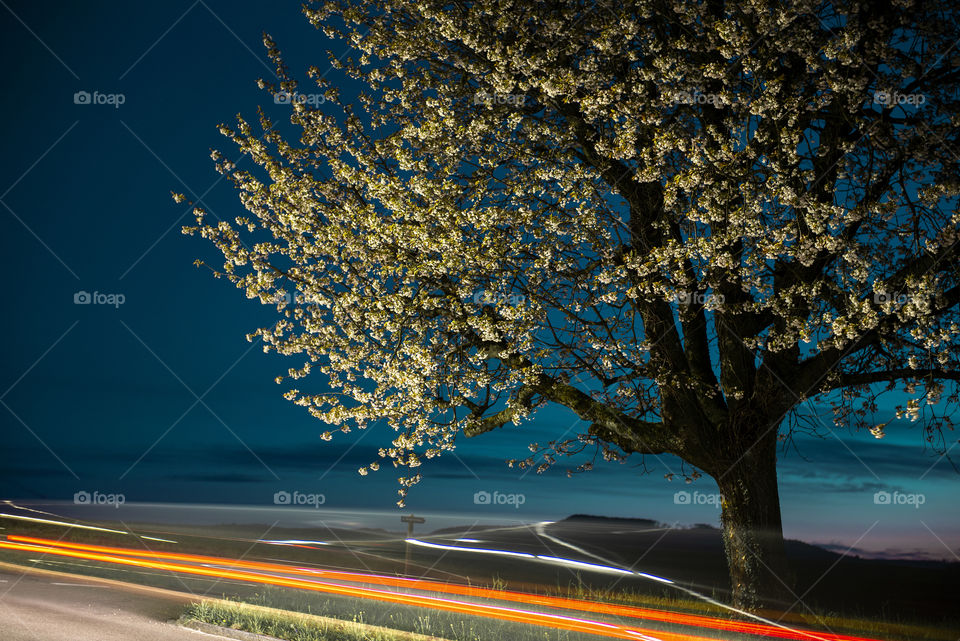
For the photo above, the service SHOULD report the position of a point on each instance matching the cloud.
(836, 485)
(857, 460)
(889, 553)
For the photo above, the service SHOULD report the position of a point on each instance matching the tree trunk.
(752, 529)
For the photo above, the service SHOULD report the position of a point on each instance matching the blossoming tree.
(682, 220)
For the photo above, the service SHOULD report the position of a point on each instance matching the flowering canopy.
(676, 218)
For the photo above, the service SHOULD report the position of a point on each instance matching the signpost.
(410, 519)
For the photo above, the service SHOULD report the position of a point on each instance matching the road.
(48, 606)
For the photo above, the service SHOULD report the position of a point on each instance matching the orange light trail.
(446, 588)
(498, 612)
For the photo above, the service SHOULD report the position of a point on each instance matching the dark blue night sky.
(161, 398)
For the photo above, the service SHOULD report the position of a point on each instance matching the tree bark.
(752, 529)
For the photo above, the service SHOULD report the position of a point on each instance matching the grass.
(824, 621)
(399, 619)
(290, 626)
(456, 627)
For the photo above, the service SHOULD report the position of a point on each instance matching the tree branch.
(867, 378)
(631, 434)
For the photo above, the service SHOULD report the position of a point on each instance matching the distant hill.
(612, 520)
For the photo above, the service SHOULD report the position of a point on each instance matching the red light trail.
(110, 555)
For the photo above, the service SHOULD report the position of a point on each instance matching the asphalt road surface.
(51, 607)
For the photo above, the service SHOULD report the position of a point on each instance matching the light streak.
(542, 557)
(491, 611)
(582, 564)
(462, 590)
(440, 546)
(77, 525)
